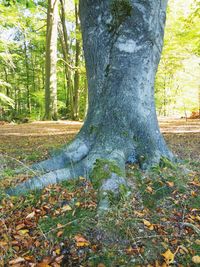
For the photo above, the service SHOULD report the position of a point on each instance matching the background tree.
(51, 61)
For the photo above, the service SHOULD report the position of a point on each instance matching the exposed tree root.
(71, 154)
(104, 166)
(53, 177)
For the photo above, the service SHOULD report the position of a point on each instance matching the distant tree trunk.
(6, 79)
(28, 101)
(77, 63)
(51, 61)
(66, 56)
(33, 72)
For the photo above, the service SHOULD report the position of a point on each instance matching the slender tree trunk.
(51, 61)
(28, 101)
(66, 56)
(68, 74)
(33, 72)
(6, 79)
(77, 63)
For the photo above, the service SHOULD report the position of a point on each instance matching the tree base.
(105, 169)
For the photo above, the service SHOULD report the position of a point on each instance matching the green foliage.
(177, 82)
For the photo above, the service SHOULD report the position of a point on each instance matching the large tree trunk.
(51, 61)
(122, 43)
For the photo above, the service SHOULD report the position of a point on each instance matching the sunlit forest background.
(22, 62)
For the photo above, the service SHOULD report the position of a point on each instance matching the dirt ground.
(31, 141)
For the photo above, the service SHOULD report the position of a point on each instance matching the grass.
(60, 226)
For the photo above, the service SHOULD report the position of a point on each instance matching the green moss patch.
(102, 170)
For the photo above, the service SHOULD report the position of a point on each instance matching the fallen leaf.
(31, 215)
(148, 224)
(81, 241)
(43, 264)
(59, 234)
(66, 208)
(3, 243)
(197, 241)
(78, 204)
(149, 189)
(59, 225)
(170, 184)
(16, 261)
(20, 226)
(23, 232)
(196, 259)
(169, 256)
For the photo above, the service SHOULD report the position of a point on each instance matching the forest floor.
(158, 224)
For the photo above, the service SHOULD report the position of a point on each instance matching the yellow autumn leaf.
(196, 259)
(139, 214)
(169, 256)
(78, 204)
(66, 208)
(23, 232)
(57, 251)
(81, 241)
(148, 224)
(149, 189)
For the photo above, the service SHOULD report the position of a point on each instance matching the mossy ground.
(59, 226)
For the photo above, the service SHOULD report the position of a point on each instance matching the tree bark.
(51, 61)
(122, 42)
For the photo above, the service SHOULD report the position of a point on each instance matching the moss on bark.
(103, 170)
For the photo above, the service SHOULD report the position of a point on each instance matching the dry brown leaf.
(20, 226)
(16, 261)
(43, 264)
(30, 215)
(59, 234)
(170, 184)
